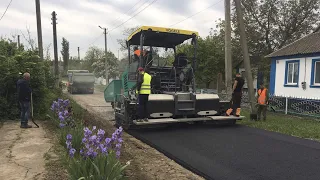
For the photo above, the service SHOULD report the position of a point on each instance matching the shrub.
(91, 154)
(14, 61)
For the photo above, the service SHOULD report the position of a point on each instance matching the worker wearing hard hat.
(143, 90)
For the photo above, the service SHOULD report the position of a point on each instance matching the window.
(315, 73)
(292, 73)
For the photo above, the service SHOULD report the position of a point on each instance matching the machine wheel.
(123, 122)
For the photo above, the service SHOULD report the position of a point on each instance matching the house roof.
(306, 45)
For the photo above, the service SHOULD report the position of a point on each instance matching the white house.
(295, 69)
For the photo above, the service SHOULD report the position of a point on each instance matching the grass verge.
(302, 127)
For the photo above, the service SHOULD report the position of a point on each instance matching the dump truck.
(80, 82)
(173, 97)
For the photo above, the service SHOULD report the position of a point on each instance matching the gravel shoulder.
(146, 162)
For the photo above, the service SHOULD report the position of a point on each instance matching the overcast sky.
(78, 20)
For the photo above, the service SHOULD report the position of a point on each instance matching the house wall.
(278, 73)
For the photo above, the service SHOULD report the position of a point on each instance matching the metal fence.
(287, 105)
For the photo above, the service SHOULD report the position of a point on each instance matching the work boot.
(238, 112)
(25, 126)
(229, 111)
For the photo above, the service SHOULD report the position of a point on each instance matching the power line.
(197, 13)
(114, 44)
(95, 40)
(134, 15)
(114, 22)
(5, 10)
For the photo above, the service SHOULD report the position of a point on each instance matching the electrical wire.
(6, 10)
(113, 43)
(134, 15)
(95, 40)
(114, 22)
(197, 13)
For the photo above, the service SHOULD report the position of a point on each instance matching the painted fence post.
(286, 110)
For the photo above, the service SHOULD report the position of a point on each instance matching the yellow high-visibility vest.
(146, 85)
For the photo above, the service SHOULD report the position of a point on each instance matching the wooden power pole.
(39, 29)
(106, 51)
(55, 47)
(228, 60)
(106, 56)
(79, 53)
(18, 41)
(246, 60)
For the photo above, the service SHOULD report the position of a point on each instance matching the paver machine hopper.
(174, 98)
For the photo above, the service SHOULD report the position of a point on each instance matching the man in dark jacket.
(24, 96)
(236, 96)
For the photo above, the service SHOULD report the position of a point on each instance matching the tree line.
(269, 24)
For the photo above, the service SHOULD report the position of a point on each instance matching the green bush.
(14, 61)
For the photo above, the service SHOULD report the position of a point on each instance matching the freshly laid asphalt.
(236, 152)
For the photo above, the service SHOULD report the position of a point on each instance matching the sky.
(79, 20)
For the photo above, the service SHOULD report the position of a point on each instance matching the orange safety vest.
(262, 99)
(137, 52)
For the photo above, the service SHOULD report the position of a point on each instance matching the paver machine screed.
(173, 97)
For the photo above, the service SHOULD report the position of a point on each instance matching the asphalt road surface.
(226, 153)
(237, 152)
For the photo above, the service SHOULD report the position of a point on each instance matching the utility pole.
(246, 61)
(79, 53)
(39, 29)
(228, 60)
(18, 41)
(55, 47)
(118, 55)
(106, 51)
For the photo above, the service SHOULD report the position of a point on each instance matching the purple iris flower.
(69, 137)
(72, 151)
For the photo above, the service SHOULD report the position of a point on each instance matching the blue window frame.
(291, 78)
(315, 74)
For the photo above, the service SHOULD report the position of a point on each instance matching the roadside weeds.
(302, 127)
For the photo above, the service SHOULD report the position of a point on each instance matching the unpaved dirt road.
(146, 162)
(94, 103)
(22, 152)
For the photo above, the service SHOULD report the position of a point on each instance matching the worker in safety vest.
(263, 97)
(143, 90)
(136, 51)
(236, 96)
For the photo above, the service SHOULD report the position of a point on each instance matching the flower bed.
(91, 155)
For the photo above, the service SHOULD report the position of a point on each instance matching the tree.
(210, 57)
(95, 59)
(272, 24)
(126, 32)
(65, 53)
